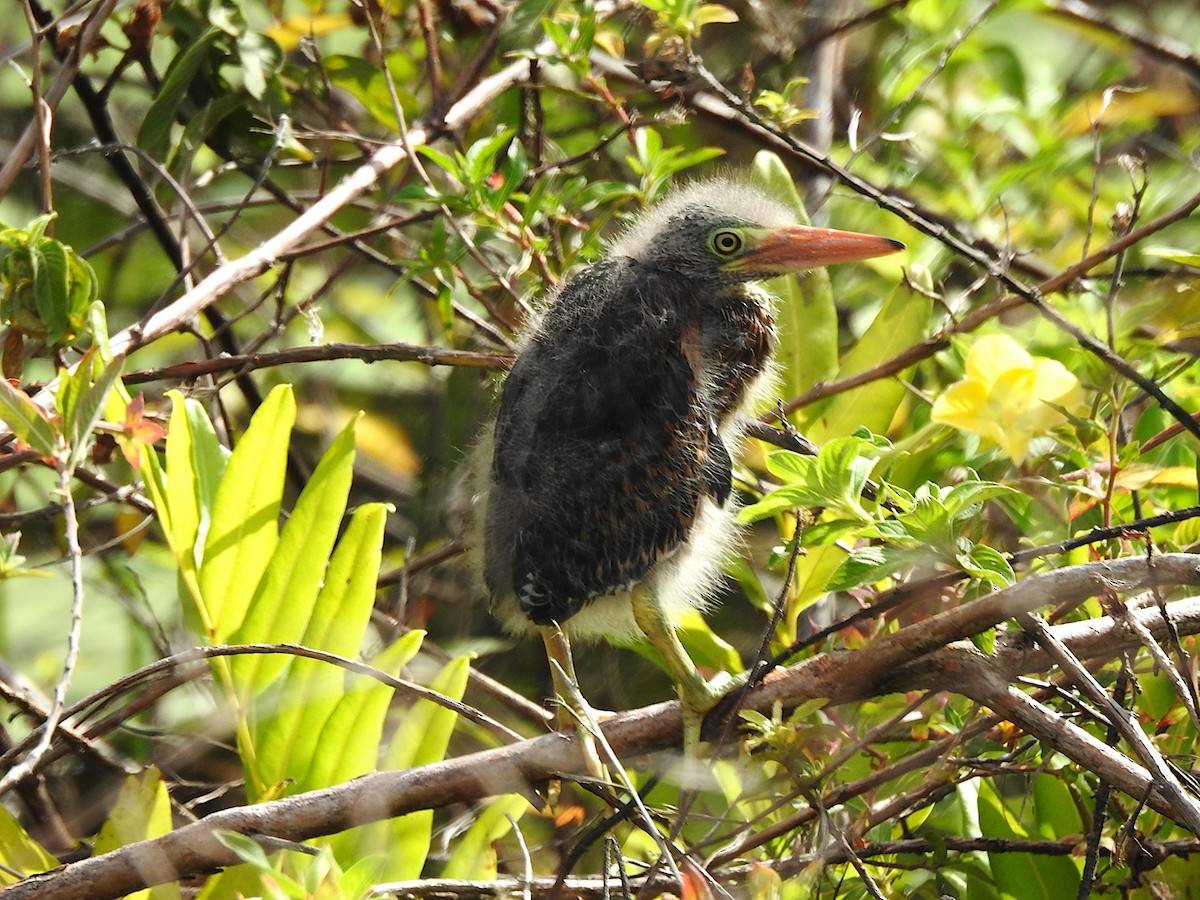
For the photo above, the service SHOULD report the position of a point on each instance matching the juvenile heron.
(607, 508)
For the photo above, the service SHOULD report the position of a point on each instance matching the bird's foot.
(697, 698)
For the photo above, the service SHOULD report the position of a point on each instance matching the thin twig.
(45, 733)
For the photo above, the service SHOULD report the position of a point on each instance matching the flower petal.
(993, 355)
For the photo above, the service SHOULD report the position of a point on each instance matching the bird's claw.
(697, 698)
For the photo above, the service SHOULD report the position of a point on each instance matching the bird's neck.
(737, 333)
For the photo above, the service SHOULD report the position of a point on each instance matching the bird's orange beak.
(799, 247)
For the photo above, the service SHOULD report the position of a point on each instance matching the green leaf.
(480, 160)
(292, 720)
(27, 421)
(443, 161)
(813, 571)
(244, 528)
(365, 82)
(968, 495)
(283, 605)
(705, 647)
(990, 565)
(842, 473)
(791, 467)
(787, 497)
(19, 852)
(1023, 875)
(156, 125)
(51, 287)
(142, 811)
(421, 739)
(866, 565)
(1179, 257)
(474, 858)
(829, 530)
(902, 321)
(195, 463)
(806, 315)
(88, 406)
(985, 641)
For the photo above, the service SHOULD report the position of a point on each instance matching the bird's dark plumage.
(612, 421)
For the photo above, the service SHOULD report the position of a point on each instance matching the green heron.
(607, 506)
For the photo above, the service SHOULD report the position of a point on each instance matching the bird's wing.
(604, 450)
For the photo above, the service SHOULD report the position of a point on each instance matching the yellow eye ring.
(726, 242)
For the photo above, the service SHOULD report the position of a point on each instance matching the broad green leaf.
(813, 571)
(902, 321)
(985, 641)
(789, 466)
(474, 856)
(52, 287)
(790, 496)
(283, 604)
(26, 420)
(707, 648)
(866, 565)
(828, 530)
(142, 811)
(806, 315)
(244, 528)
(990, 565)
(365, 82)
(971, 493)
(156, 125)
(1020, 874)
(1056, 813)
(19, 852)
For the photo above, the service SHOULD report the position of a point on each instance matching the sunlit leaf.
(244, 527)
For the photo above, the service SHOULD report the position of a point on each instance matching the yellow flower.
(1007, 395)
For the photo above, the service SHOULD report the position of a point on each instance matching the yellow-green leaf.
(244, 528)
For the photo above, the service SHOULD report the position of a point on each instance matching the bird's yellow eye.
(726, 242)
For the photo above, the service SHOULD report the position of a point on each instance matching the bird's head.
(727, 231)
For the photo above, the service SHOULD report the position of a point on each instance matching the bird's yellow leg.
(573, 710)
(696, 696)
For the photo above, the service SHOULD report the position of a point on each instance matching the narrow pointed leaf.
(26, 420)
(87, 410)
(301, 703)
(244, 528)
(156, 124)
(283, 604)
(422, 738)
